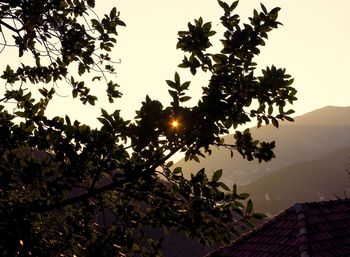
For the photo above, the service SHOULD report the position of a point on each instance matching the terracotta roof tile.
(309, 229)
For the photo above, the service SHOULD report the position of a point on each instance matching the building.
(306, 230)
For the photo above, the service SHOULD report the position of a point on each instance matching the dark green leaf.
(243, 196)
(217, 175)
(259, 216)
(185, 98)
(250, 206)
(224, 5)
(263, 8)
(224, 186)
(177, 78)
(113, 13)
(233, 5)
(274, 122)
(177, 170)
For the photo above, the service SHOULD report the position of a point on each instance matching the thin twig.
(10, 27)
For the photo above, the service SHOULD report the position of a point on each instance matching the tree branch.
(76, 199)
(10, 27)
(92, 193)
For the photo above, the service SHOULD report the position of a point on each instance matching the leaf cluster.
(235, 87)
(69, 189)
(58, 34)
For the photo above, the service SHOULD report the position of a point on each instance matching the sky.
(313, 45)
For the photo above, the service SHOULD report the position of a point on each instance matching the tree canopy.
(59, 178)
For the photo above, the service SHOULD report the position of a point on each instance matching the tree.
(58, 177)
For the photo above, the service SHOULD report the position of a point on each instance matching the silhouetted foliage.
(59, 177)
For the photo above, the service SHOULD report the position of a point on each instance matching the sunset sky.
(313, 45)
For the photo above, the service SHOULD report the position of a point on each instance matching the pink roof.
(308, 229)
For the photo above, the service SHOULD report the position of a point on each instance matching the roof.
(305, 230)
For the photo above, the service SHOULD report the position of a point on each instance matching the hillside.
(309, 137)
(321, 179)
(312, 155)
(326, 116)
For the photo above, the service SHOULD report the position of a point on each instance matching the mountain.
(312, 155)
(324, 178)
(310, 137)
(326, 116)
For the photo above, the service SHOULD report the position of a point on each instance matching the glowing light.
(175, 123)
(21, 242)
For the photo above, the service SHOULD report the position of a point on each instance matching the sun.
(175, 124)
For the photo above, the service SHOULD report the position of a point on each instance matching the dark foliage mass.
(58, 178)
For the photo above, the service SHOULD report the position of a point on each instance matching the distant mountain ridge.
(326, 116)
(311, 135)
(312, 156)
(324, 178)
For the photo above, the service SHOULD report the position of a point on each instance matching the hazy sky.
(313, 45)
